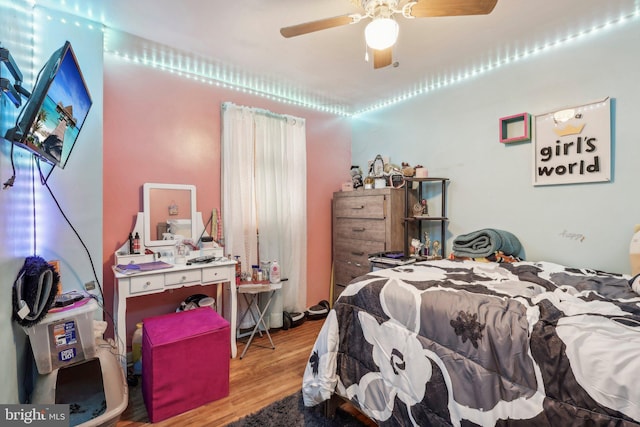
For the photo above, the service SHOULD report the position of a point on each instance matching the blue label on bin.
(65, 333)
(66, 355)
(70, 332)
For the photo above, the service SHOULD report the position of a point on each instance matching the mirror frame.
(147, 189)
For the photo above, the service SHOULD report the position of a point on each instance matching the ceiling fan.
(381, 33)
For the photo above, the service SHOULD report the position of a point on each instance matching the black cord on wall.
(33, 203)
(9, 183)
(43, 181)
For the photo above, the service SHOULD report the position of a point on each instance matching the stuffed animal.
(407, 170)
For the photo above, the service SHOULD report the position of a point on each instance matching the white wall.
(15, 37)
(453, 131)
(32, 35)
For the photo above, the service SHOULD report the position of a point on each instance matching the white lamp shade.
(381, 33)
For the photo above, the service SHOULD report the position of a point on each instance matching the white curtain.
(264, 181)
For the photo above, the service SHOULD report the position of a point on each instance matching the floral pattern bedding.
(472, 343)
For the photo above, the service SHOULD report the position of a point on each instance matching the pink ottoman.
(185, 361)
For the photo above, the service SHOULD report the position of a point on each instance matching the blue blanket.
(482, 243)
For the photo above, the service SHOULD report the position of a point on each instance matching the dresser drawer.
(346, 271)
(146, 283)
(360, 207)
(361, 229)
(357, 251)
(337, 290)
(217, 274)
(182, 277)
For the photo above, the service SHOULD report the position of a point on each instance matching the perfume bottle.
(136, 244)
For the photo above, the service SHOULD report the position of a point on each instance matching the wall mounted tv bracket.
(13, 91)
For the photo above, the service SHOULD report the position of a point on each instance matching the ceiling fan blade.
(321, 24)
(382, 58)
(431, 8)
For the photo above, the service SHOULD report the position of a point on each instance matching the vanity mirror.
(169, 210)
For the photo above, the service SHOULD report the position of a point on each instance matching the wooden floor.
(263, 376)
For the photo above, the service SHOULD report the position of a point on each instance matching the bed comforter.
(469, 343)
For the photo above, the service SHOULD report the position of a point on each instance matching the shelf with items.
(420, 219)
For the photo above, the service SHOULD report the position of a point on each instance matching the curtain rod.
(263, 112)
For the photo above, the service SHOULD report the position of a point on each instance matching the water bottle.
(274, 272)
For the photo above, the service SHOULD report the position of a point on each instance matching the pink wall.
(159, 127)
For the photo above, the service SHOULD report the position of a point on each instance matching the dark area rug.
(291, 411)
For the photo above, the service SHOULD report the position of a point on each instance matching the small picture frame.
(396, 180)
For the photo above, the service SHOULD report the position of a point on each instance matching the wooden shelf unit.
(415, 223)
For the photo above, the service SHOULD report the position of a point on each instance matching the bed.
(466, 343)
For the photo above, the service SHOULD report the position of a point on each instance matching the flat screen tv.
(53, 115)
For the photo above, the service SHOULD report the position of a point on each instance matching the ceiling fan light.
(381, 33)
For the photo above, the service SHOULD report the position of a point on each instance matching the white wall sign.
(573, 145)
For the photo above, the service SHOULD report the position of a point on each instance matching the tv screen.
(56, 110)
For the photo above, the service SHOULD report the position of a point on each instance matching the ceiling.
(240, 41)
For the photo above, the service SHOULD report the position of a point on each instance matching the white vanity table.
(178, 276)
(220, 272)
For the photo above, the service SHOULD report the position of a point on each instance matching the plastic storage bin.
(64, 337)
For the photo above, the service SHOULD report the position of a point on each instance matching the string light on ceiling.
(230, 78)
(431, 85)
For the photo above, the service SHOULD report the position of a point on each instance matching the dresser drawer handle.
(357, 253)
(357, 264)
(358, 207)
(358, 229)
(183, 278)
(147, 284)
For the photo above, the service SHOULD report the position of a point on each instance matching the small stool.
(251, 294)
(185, 361)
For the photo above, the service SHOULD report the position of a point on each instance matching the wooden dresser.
(364, 222)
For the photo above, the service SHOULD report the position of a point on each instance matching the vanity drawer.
(181, 277)
(146, 284)
(217, 274)
(361, 229)
(360, 207)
